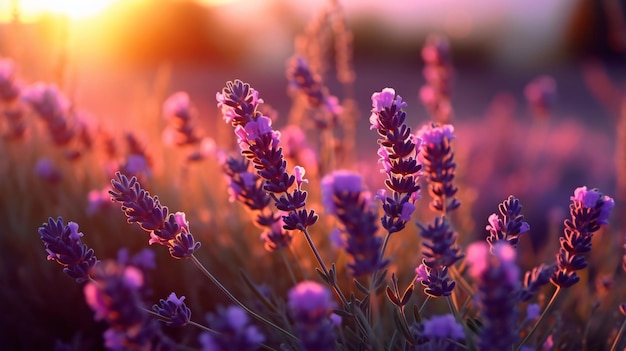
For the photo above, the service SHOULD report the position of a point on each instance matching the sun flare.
(30, 10)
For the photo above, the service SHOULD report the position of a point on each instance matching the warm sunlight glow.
(30, 10)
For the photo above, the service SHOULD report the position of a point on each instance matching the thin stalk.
(303, 273)
(424, 304)
(262, 319)
(288, 265)
(543, 315)
(197, 325)
(456, 275)
(618, 336)
(453, 309)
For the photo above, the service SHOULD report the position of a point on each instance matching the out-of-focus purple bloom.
(532, 311)
(236, 331)
(167, 229)
(497, 282)
(9, 86)
(114, 294)
(302, 79)
(47, 101)
(439, 73)
(310, 304)
(398, 155)
(98, 201)
(343, 196)
(444, 326)
(439, 166)
(174, 310)
(46, 170)
(541, 94)
(589, 210)
(510, 226)
(296, 148)
(63, 244)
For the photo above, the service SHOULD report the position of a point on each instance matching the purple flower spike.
(174, 310)
(167, 229)
(310, 305)
(497, 282)
(439, 166)
(344, 197)
(589, 210)
(398, 155)
(63, 245)
(510, 226)
(259, 143)
(302, 79)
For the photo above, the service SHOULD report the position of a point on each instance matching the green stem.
(424, 304)
(543, 315)
(262, 319)
(288, 265)
(618, 336)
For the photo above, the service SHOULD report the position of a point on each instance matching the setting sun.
(30, 10)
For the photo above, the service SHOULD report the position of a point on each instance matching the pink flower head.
(46, 100)
(181, 220)
(299, 171)
(177, 104)
(477, 257)
(495, 223)
(432, 135)
(98, 200)
(421, 273)
(333, 106)
(310, 298)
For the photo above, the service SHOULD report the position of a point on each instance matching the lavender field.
(323, 181)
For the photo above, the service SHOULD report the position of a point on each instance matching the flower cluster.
(114, 294)
(310, 305)
(510, 225)
(138, 161)
(437, 333)
(247, 188)
(398, 150)
(589, 210)
(234, 331)
(344, 197)
(497, 284)
(439, 166)
(63, 245)
(167, 229)
(438, 72)
(174, 310)
(260, 144)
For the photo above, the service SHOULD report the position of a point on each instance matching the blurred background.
(120, 59)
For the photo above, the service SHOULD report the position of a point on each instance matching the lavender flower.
(343, 196)
(9, 86)
(535, 279)
(310, 305)
(497, 281)
(167, 229)
(440, 249)
(175, 311)
(63, 245)
(260, 144)
(52, 107)
(247, 188)
(235, 331)
(510, 226)
(115, 297)
(46, 170)
(179, 112)
(398, 151)
(589, 210)
(301, 78)
(439, 166)
(438, 72)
